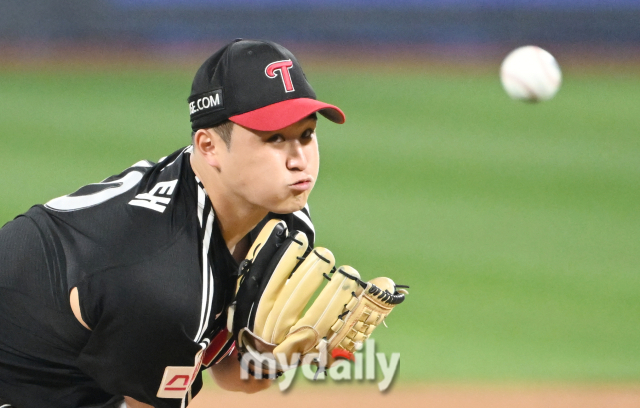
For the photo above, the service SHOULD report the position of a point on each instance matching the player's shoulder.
(165, 185)
(135, 214)
(145, 184)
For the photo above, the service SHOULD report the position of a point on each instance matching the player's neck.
(235, 217)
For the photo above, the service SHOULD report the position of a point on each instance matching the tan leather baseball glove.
(277, 282)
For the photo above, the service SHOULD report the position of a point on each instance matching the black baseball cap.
(257, 84)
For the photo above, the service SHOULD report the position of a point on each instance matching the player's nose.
(297, 158)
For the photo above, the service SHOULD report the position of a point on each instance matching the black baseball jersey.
(154, 278)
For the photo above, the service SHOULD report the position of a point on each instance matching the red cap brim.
(282, 114)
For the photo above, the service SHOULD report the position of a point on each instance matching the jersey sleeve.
(142, 339)
(138, 248)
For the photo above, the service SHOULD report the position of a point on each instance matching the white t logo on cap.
(271, 69)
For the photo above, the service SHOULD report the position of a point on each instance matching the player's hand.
(132, 403)
(228, 376)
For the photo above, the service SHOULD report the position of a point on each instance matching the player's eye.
(308, 134)
(275, 138)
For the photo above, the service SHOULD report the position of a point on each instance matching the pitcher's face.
(275, 170)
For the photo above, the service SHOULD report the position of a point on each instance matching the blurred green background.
(516, 225)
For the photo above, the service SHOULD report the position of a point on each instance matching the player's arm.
(75, 307)
(227, 375)
(131, 403)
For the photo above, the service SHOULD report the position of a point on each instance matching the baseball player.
(116, 295)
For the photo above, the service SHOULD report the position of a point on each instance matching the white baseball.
(530, 74)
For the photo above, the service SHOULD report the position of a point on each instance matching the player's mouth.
(302, 185)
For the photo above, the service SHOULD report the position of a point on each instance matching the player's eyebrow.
(312, 116)
(307, 131)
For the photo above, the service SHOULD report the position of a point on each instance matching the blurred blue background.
(353, 22)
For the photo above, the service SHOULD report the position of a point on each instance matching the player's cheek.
(314, 162)
(270, 193)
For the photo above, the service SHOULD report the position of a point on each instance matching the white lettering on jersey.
(110, 190)
(152, 199)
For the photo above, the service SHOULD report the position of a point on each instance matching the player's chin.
(291, 204)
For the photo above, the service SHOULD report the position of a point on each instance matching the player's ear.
(207, 143)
